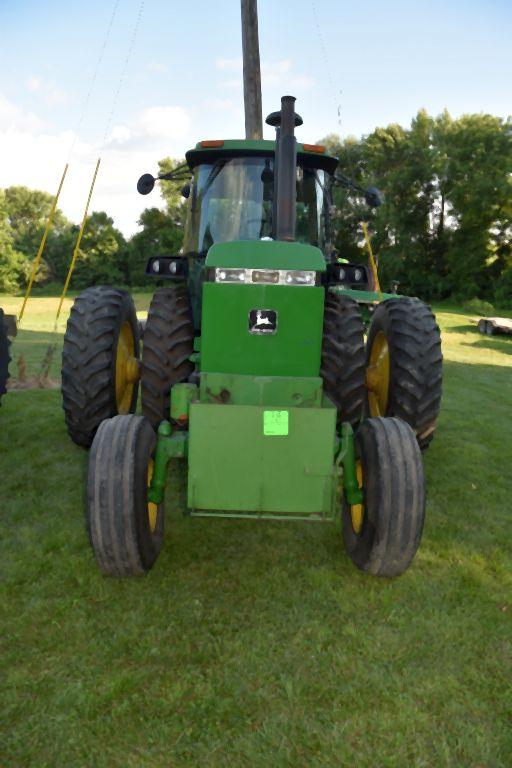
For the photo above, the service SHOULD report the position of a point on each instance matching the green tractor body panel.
(275, 391)
(262, 436)
(230, 345)
(258, 254)
(248, 458)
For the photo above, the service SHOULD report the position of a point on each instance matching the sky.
(133, 81)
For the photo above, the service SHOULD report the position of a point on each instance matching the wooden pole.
(252, 74)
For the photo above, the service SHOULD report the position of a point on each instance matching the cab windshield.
(232, 199)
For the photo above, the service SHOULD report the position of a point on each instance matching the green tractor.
(254, 369)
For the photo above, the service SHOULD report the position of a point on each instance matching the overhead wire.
(47, 360)
(336, 92)
(75, 135)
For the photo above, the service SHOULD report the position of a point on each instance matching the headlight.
(266, 276)
(296, 277)
(230, 275)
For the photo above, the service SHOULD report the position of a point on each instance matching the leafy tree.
(171, 193)
(13, 265)
(477, 152)
(28, 212)
(159, 235)
(103, 253)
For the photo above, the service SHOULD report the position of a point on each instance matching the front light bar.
(266, 276)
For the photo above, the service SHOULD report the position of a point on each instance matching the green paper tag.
(275, 423)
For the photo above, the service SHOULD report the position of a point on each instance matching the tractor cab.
(232, 199)
(232, 194)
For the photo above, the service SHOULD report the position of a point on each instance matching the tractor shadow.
(464, 329)
(495, 344)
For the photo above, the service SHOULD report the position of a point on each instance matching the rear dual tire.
(343, 358)
(404, 331)
(168, 346)
(4, 355)
(101, 326)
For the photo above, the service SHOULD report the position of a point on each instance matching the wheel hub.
(377, 376)
(357, 510)
(152, 507)
(127, 368)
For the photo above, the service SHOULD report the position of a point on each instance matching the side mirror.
(185, 191)
(145, 184)
(373, 197)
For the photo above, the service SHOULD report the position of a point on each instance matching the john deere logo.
(262, 321)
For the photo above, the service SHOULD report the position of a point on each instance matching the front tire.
(126, 531)
(383, 537)
(99, 361)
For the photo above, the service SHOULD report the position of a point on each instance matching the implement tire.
(168, 345)
(405, 365)
(343, 358)
(125, 530)
(393, 509)
(5, 358)
(102, 333)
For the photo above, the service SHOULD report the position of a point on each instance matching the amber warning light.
(313, 148)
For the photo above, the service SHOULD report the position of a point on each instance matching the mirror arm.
(179, 173)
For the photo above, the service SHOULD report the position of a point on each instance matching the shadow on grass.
(502, 344)
(469, 328)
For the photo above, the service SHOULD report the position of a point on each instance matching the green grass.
(37, 329)
(259, 644)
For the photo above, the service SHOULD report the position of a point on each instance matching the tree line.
(105, 256)
(443, 231)
(445, 228)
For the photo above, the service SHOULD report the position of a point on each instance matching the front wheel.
(383, 533)
(125, 529)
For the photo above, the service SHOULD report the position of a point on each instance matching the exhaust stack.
(285, 168)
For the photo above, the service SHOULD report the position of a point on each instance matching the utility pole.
(252, 74)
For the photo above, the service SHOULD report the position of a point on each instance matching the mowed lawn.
(259, 644)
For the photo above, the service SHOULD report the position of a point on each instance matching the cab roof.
(313, 155)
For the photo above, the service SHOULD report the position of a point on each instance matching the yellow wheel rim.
(152, 508)
(357, 510)
(127, 368)
(377, 376)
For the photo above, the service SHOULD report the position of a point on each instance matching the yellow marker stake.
(37, 259)
(373, 265)
(77, 245)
